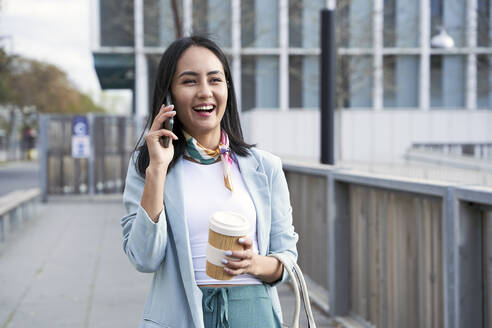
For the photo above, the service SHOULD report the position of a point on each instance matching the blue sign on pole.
(80, 126)
(80, 137)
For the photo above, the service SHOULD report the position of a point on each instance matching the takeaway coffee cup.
(225, 229)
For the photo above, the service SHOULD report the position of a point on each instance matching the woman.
(170, 193)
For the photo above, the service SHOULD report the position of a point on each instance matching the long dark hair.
(167, 66)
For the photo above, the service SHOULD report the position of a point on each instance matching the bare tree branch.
(177, 19)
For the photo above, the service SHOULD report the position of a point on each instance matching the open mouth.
(204, 109)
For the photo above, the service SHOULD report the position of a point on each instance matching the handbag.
(300, 290)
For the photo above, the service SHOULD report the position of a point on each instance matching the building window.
(360, 17)
(116, 19)
(436, 16)
(159, 24)
(389, 33)
(448, 78)
(259, 23)
(357, 81)
(484, 19)
(213, 18)
(259, 82)
(401, 21)
(449, 15)
(343, 24)
(484, 81)
(401, 81)
(152, 67)
(304, 82)
(304, 23)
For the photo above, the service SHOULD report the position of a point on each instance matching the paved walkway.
(66, 268)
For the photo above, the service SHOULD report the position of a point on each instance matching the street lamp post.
(328, 80)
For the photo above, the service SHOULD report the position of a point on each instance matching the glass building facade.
(273, 45)
(385, 58)
(388, 61)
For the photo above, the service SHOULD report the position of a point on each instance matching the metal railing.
(112, 139)
(479, 150)
(450, 160)
(394, 252)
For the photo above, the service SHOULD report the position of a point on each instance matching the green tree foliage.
(31, 84)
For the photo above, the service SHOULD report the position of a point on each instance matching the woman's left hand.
(245, 260)
(265, 268)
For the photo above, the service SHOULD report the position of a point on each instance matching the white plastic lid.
(229, 224)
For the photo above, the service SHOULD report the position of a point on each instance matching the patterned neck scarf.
(204, 155)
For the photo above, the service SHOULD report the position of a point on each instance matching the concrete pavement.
(66, 268)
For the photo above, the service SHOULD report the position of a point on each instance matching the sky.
(55, 31)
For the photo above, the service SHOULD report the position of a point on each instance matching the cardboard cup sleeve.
(225, 229)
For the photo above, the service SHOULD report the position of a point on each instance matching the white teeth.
(209, 107)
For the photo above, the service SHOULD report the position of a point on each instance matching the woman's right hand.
(160, 156)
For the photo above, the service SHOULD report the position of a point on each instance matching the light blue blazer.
(164, 247)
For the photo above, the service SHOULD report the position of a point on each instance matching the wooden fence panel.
(388, 263)
(487, 260)
(436, 281)
(395, 256)
(374, 259)
(310, 213)
(425, 263)
(355, 269)
(298, 210)
(471, 266)
(382, 274)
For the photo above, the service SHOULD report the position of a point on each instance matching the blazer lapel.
(257, 183)
(175, 214)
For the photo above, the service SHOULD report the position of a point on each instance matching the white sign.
(81, 147)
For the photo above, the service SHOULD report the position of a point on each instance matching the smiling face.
(199, 90)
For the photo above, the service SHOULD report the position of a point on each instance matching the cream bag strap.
(300, 290)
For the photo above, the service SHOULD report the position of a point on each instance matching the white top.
(204, 194)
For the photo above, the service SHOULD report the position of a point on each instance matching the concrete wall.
(287, 134)
(365, 136)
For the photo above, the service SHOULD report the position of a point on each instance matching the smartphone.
(168, 125)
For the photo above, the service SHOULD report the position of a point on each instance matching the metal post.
(284, 55)
(122, 142)
(95, 28)
(3, 233)
(91, 159)
(471, 69)
(424, 81)
(378, 25)
(338, 246)
(141, 93)
(43, 152)
(450, 232)
(236, 49)
(328, 85)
